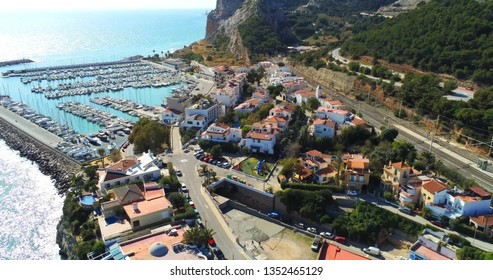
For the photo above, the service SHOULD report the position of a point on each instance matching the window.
(136, 223)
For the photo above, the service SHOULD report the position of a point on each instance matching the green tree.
(115, 155)
(149, 135)
(312, 103)
(197, 236)
(388, 134)
(83, 249)
(402, 151)
(177, 200)
(216, 151)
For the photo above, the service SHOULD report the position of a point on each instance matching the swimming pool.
(87, 200)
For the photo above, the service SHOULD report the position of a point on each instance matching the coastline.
(15, 62)
(51, 162)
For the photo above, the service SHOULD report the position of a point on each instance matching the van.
(317, 241)
(374, 251)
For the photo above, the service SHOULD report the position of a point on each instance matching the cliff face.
(230, 14)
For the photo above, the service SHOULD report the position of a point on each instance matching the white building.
(171, 116)
(145, 168)
(248, 106)
(259, 142)
(303, 96)
(194, 121)
(208, 109)
(282, 111)
(324, 128)
(338, 116)
(219, 132)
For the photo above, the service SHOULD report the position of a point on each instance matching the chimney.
(135, 206)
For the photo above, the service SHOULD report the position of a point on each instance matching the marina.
(64, 101)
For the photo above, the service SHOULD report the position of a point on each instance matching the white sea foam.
(30, 209)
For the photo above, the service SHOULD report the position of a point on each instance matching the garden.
(254, 165)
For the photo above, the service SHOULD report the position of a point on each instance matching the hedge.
(311, 187)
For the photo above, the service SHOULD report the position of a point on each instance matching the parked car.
(327, 235)
(374, 251)
(191, 204)
(207, 253)
(184, 188)
(211, 242)
(317, 241)
(198, 150)
(340, 239)
(437, 223)
(312, 229)
(300, 225)
(218, 253)
(273, 215)
(178, 173)
(405, 210)
(352, 193)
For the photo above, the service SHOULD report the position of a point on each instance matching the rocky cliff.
(229, 15)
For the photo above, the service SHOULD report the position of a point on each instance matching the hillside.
(253, 29)
(443, 36)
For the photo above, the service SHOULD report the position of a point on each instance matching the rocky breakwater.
(50, 162)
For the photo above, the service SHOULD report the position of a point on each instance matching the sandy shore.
(28, 127)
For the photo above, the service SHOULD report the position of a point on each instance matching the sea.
(29, 205)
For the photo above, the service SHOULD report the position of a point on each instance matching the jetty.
(15, 62)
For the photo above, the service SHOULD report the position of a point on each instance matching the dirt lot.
(268, 241)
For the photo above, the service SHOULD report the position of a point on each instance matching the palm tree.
(197, 235)
(101, 153)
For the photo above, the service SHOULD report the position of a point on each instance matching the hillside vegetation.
(446, 36)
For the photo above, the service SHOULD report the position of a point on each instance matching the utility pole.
(491, 146)
(400, 109)
(438, 124)
(431, 142)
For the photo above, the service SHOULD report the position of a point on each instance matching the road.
(210, 214)
(418, 219)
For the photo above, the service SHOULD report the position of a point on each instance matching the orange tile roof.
(401, 165)
(305, 172)
(485, 220)
(357, 121)
(430, 254)
(433, 186)
(305, 93)
(259, 136)
(314, 153)
(326, 170)
(357, 164)
(152, 194)
(479, 191)
(275, 119)
(334, 252)
(176, 112)
(122, 165)
(147, 207)
(324, 122)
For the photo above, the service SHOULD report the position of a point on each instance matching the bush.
(311, 187)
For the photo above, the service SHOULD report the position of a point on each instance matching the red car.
(211, 242)
(437, 223)
(340, 239)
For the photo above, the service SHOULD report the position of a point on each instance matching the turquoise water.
(29, 205)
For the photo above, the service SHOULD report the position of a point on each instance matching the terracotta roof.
(259, 136)
(305, 93)
(358, 121)
(122, 165)
(275, 119)
(176, 112)
(357, 164)
(479, 191)
(334, 252)
(433, 186)
(484, 221)
(305, 172)
(401, 165)
(324, 122)
(147, 207)
(335, 111)
(221, 125)
(314, 153)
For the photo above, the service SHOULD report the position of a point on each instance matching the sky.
(16, 5)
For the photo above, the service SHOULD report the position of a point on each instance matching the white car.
(352, 193)
(327, 235)
(184, 188)
(311, 229)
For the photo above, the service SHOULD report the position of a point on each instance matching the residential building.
(293, 85)
(356, 172)
(259, 142)
(283, 111)
(397, 174)
(178, 103)
(303, 95)
(171, 116)
(431, 246)
(206, 108)
(229, 93)
(323, 128)
(454, 203)
(219, 132)
(248, 106)
(277, 122)
(434, 192)
(262, 95)
(330, 251)
(483, 223)
(316, 167)
(143, 209)
(127, 170)
(331, 103)
(336, 115)
(194, 121)
(410, 193)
